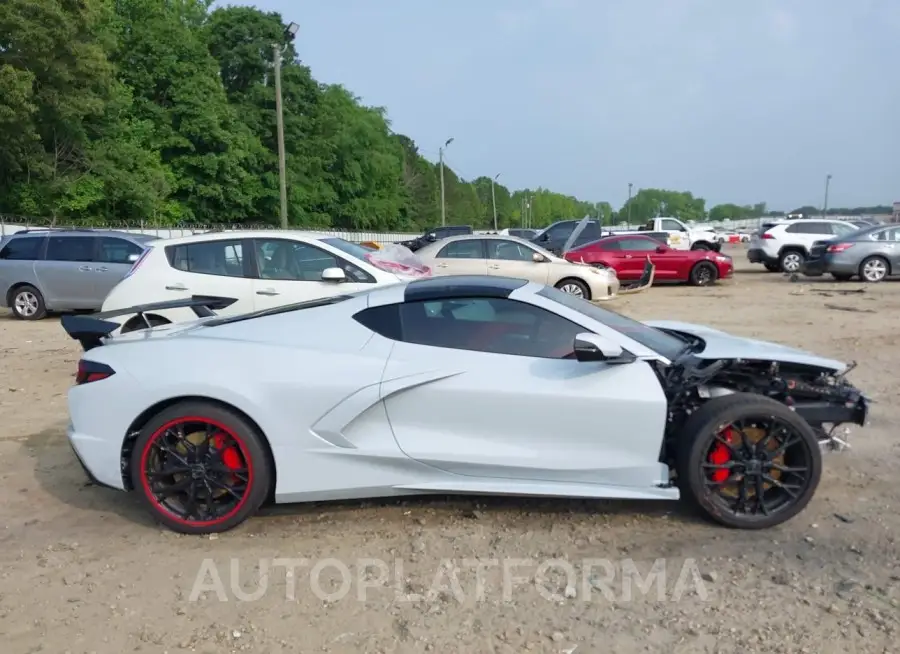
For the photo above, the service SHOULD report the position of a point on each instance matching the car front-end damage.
(814, 387)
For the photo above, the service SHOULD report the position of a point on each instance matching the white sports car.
(485, 385)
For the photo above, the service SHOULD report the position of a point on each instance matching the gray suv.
(64, 270)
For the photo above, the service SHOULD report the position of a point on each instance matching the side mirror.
(133, 257)
(592, 347)
(333, 275)
(431, 238)
(661, 248)
(537, 257)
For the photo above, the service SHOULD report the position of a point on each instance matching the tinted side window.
(561, 230)
(638, 244)
(468, 249)
(498, 326)
(22, 248)
(608, 245)
(117, 250)
(384, 320)
(223, 258)
(70, 248)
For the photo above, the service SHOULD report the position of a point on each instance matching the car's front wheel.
(27, 303)
(575, 287)
(748, 461)
(703, 274)
(201, 468)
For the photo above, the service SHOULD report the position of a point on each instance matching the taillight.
(767, 236)
(839, 247)
(139, 261)
(91, 371)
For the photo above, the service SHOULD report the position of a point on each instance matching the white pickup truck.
(681, 237)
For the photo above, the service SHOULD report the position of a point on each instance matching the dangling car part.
(457, 384)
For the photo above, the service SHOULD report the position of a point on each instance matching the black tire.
(791, 261)
(701, 246)
(137, 323)
(868, 266)
(27, 303)
(248, 445)
(700, 433)
(703, 273)
(772, 267)
(842, 277)
(571, 281)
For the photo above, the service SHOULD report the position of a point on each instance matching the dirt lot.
(84, 570)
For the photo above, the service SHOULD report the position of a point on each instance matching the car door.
(289, 271)
(634, 253)
(679, 238)
(531, 411)
(466, 256)
(217, 268)
(508, 258)
(66, 274)
(113, 259)
(889, 245)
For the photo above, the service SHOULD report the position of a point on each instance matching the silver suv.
(64, 270)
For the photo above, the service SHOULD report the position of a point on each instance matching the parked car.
(45, 270)
(554, 237)
(871, 254)
(436, 234)
(258, 269)
(519, 232)
(785, 245)
(626, 255)
(508, 256)
(479, 385)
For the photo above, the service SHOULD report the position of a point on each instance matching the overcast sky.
(735, 101)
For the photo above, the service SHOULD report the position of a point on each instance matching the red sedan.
(627, 255)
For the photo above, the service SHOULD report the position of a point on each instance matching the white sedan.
(509, 256)
(484, 385)
(256, 270)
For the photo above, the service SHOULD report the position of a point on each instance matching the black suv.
(554, 237)
(436, 234)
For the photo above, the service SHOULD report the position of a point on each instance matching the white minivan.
(258, 269)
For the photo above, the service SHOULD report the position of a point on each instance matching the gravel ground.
(84, 570)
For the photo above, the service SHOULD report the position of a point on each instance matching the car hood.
(721, 345)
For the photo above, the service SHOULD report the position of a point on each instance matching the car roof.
(458, 286)
(78, 232)
(237, 234)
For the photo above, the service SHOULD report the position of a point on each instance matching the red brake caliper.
(720, 454)
(230, 455)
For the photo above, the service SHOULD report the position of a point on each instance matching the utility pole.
(277, 50)
(825, 206)
(628, 219)
(443, 203)
(494, 200)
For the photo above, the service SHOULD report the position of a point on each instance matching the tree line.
(163, 111)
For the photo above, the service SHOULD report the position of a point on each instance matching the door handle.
(495, 267)
(442, 265)
(84, 268)
(102, 269)
(176, 287)
(628, 256)
(267, 291)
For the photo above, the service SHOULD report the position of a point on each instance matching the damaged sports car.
(477, 385)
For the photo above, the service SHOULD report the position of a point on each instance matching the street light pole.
(278, 50)
(443, 203)
(628, 219)
(494, 200)
(825, 206)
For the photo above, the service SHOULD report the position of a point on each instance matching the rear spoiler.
(90, 330)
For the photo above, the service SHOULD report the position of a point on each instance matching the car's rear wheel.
(138, 323)
(748, 461)
(201, 468)
(703, 274)
(574, 287)
(701, 246)
(27, 303)
(791, 261)
(874, 269)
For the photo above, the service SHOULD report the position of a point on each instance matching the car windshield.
(657, 340)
